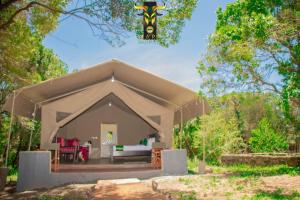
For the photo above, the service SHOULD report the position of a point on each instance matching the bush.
(221, 135)
(265, 139)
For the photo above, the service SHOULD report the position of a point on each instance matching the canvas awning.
(152, 87)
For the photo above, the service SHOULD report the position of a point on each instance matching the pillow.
(61, 141)
(145, 142)
(151, 141)
(73, 142)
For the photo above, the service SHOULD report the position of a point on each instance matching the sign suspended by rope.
(150, 14)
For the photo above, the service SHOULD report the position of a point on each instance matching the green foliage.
(189, 137)
(255, 41)
(171, 24)
(265, 139)
(221, 136)
(228, 127)
(193, 164)
(19, 40)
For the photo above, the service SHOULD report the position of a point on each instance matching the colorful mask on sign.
(150, 17)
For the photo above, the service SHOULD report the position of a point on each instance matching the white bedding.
(138, 147)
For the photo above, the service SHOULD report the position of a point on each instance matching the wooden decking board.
(99, 166)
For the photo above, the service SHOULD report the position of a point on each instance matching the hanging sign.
(150, 14)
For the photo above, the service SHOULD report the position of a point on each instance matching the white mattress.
(137, 147)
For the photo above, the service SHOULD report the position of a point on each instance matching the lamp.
(113, 78)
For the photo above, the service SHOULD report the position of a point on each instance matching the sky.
(75, 44)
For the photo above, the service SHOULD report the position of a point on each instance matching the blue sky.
(75, 44)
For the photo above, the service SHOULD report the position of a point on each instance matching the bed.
(133, 150)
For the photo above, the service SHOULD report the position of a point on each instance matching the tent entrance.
(131, 128)
(108, 137)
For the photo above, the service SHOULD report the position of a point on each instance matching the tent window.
(155, 118)
(61, 115)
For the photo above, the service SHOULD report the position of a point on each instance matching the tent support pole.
(203, 136)
(31, 131)
(181, 129)
(10, 128)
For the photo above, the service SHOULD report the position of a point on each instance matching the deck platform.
(106, 165)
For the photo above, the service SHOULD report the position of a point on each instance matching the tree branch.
(70, 13)
(7, 4)
(258, 78)
(6, 24)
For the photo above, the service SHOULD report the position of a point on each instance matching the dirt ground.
(228, 187)
(163, 188)
(133, 191)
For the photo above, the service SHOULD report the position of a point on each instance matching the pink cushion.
(73, 142)
(67, 150)
(61, 141)
(85, 152)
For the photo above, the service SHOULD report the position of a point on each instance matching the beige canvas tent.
(112, 92)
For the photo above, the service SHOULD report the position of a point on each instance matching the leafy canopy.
(255, 47)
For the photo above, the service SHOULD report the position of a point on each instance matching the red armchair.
(68, 148)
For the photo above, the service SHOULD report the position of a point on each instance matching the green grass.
(193, 166)
(185, 181)
(12, 176)
(187, 196)
(244, 170)
(247, 170)
(277, 195)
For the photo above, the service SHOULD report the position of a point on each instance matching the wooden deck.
(105, 165)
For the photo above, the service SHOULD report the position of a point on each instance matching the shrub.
(265, 139)
(221, 135)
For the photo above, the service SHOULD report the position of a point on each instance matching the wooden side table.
(156, 157)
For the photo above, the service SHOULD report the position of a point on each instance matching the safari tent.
(111, 91)
(140, 105)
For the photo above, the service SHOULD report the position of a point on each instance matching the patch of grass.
(213, 181)
(193, 166)
(12, 176)
(240, 187)
(187, 196)
(277, 195)
(185, 181)
(229, 195)
(247, 170)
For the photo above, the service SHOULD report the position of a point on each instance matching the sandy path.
(132, 191)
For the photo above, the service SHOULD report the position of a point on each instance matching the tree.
(47, 66)
(230, 125)
(255, 47)
(265, 139)
(110, 20)
(24, 23)
(221, 135)
(23, 26)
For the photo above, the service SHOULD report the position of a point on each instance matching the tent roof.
(162, 91)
